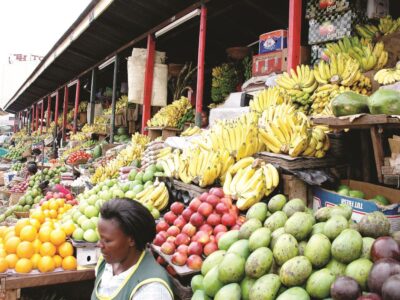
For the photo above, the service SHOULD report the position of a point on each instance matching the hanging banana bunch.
(266, 98)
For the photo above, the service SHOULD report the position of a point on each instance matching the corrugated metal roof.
(124, 22)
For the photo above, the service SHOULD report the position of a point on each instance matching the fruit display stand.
(375, 124)
(11, 285)
(164, 132)
(192, 189)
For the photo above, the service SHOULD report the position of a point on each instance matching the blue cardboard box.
(272, 41)
(325, 198)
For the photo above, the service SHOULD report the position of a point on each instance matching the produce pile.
(190, 233)
(154, 150)
(78, 157)
(18, 166)
(120, 106)
(224, 81)
(388, 76)
(170, 115)
(386, 26)
(285, 251)
(193, 130)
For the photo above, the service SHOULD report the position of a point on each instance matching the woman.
(126, 271)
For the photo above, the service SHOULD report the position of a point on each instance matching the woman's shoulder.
(152, 290)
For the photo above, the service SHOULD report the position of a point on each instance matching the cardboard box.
(394, 144)
(323, 197)
(87, 256)
(315, 8)
(272, 41)
(265, 64)
(377, 9)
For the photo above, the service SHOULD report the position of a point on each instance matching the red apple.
(171, 270)
(205, 209)
(203, 197)
(159, 239)
(218, 236)
(202, 237)
(183, 249)
(173, 230)
(177, 208)
(221, 208)
(180, 222)
(210, 248)
(197, 219)
(162, 226)
(168, 248)
(213, 200)
(170, 217)
(206, 228)
(195, 248)
(194, 262)
(212, 239)
(228, 220)
(161, 261)
(234, 210)
(171, 239)
(220, 228)
(219, 192)
(214, 219)
(56, 195)
(227, 201)
(187, 213)
(235, 227)
(179, 259)
(69, 197)
(189, 229)
(182, 239)
(194, 204)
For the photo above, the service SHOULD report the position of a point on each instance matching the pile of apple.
(189, 233)
(68, 198)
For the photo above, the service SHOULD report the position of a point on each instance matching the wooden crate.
(293, 187)
(83, 117)
(169, 131)
(154, 132)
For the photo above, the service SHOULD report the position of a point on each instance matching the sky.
(31, 27)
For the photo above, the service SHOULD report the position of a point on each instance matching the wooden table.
(11, 285)
(374, 123)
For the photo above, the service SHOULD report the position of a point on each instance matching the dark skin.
(117, 248)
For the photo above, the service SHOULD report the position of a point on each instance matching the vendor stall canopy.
(107, 27)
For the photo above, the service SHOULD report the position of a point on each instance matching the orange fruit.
(46, 213)
(28, 233)
(45, 205)
(47, 249)
(23, 265)
(38, 215)
(36, 245)
(12, 244)
(53, 213)
(3, 230)
(44, 234)
(25, 250)
(8, 235)
(48, 223)
(21, 223)
(35, 223)
(65, 249)
(57, 260)
(68, 206)
(3, 265)
(69, 263)
(60, 202)
(57, 237)
(46, 264)
(3, 253)
(11, 260)
(68, 228)
(35, 259)
(53, 205)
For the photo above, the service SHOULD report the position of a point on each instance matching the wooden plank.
(376, 138)
(365, 158)
(193, 189)
(24, 281)
(359, 122)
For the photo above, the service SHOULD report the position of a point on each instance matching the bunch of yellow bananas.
(82, 106)
(318, 144)
(79, 136)
(99, 128)
(192, 130)
(388, 76)
(266, 98)
(120, 106)
(369, 56)
(249, 180)
(388, 25)
(322, 97)
(171, 114)
(156, 195)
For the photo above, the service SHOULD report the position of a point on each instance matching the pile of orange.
(55, 208)
(37, 242)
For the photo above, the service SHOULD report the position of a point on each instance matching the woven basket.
(14, 198)
(22, 214)
(237, 53)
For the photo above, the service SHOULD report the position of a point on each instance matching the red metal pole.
(56, 110)
(200, 64)
(65, 109)
(15, 123)
(48, 112)
(294, 35)
(37, 117)
(77, 95)
(32, 125)
(41, 117)
(148, 81)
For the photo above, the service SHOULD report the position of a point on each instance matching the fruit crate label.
(317, 8)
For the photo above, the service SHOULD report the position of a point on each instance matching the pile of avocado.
(345, 190)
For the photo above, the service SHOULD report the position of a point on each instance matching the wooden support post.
(48, 112)
(41, 117)
(376, 138)
(294, 34)
(92, 96)
(77, 95)
(200, 65)
(114, 97)
(148, 81)
(65, 111)
(366, 156)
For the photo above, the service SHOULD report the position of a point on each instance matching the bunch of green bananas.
(170, 115)
(79, 136)
(285, 130)
(266, 98)
(369, 56)
(386, 26)
(192, 130)
(299, 86)
(156, 195)
(89, 144)
(388, 76)
(367, 31)
(249, 180)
